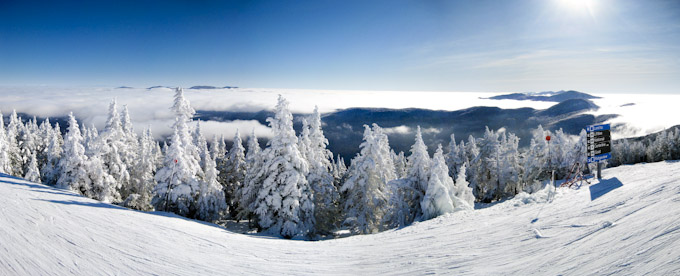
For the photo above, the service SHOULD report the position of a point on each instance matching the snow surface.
(628, 223)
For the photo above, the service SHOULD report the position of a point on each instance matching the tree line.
(294, 187)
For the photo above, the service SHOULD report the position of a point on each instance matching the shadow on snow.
(605, 186)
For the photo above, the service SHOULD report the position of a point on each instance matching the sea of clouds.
(151, 107)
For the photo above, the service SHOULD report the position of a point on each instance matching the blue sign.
(597, 128)
(598, 158)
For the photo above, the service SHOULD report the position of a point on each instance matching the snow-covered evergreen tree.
(326, 196)
(201, 144)
(113, 146)
(13, 150)
(400, 164)
(366, 190)
(177, 186)
(73, 164)
(284, 203)
(103, 186)
(143, 174)
(536, 158)
(511, 167)
(129, 153)
(210, 204)
(488, 182)
(407, 195)
(28, 144)
(44, 136)
(463, 192)
(233, 173)
(475, 160)
(339, 171)
(218, 148)
(5, 164)
(440, 189)
(248, 194)
(51, 170)
(32, 171)
(456, 156)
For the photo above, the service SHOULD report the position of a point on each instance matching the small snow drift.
(632, 228)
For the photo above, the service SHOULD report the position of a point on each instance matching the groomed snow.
(629, 223)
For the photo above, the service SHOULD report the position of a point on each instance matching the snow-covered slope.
(629, 223)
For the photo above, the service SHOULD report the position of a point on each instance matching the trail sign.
(599, 141)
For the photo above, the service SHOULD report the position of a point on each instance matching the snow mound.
(628, 223)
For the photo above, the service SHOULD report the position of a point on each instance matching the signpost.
(599, 141)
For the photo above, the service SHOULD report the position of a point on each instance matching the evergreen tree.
(326, 196)
(248, 194)
(177, 186)
(211, 204)
(284, 203)
(536, 158)
(366, 189)
(43, 137)
(440, 189)
(129, 153)
(73, 164)
(113, 146)
(463, 192)
(143, 174)
(51, 170)
(400, 164)
(32, 171)
(488, 182)
(511, 167)
(5, 164)
(103, 185)
(474, 163)
(456, 156)
(340, 171)
(13, 150)
(27, 143)
(233, 173)
(218, 148)
(407, 195)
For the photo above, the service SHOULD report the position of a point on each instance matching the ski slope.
(629, 223)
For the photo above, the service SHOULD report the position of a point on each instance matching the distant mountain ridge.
(344, 128)
(548, 96)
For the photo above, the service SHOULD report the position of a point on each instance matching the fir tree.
(177, 186)
(407, 195)
(284, 201)
(440, 189)
(248, 194)
(463, 192)
(73, 164)
(32, 171)
(5, 164)
(113, 147)
(51, 170)
(13, 150)
(143, 174)
(326, 196)
(232, 174)
(366, 189)
(211, 204)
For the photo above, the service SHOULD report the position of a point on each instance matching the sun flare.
(578, 6)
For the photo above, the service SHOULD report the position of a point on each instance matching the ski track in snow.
(633, 228)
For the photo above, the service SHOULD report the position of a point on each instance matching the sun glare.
(578, 6)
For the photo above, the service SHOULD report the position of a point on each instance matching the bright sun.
(578, 6)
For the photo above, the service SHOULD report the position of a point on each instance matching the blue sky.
(595, 46)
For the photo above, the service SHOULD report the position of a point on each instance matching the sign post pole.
(599, 170)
